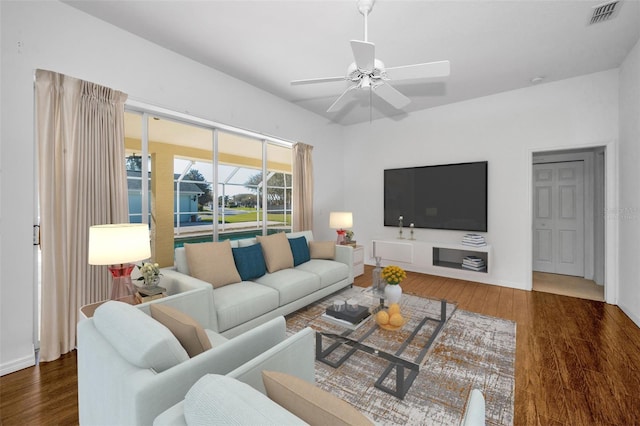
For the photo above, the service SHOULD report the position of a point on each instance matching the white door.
(558, 218)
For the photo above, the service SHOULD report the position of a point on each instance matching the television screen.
(449, 196)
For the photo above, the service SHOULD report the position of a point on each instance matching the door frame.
(611, 185)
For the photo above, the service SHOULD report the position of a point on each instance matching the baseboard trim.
(18, 364)
(630, 314)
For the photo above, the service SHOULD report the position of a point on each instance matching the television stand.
(451, 256)
(427, 257)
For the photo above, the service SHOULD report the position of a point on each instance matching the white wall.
(504, 129)
(54, 36)
(628, 215)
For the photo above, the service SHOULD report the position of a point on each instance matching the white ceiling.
(493, 46)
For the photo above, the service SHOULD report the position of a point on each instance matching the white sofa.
(238, 307)
(131, 368)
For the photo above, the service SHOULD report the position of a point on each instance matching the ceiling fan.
(369, 73)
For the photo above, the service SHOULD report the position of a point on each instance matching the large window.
(204, 181)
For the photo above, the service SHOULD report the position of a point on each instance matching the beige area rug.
(471, 351)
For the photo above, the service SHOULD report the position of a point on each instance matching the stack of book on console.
(474, 240)
(147, 294)
(351, 319)
(474, 263)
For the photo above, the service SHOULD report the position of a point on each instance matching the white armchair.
(474, 414)
(131, 368)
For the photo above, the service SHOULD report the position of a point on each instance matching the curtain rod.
(138, 106)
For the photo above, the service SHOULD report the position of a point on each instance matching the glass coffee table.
(403, 350)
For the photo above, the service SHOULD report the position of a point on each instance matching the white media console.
(443, 259)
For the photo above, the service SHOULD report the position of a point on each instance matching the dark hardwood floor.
(577, 361)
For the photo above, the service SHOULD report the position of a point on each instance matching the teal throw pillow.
(300, 250)
(250, 262)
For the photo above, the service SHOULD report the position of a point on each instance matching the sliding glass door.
(192, 181)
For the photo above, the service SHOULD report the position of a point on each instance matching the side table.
(358, 261)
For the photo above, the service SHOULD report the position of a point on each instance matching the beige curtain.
(82, 182)
(303, 187)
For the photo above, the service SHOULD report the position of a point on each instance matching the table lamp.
(117, 245)
(339, 221)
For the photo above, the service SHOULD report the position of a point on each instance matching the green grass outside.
(250, 216)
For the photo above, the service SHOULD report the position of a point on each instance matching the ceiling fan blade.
(391, 95)
(364, 54)
(428, 70)
(317, 80)
(342, 100)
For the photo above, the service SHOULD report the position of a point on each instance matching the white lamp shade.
(118, 243)
(340, 220)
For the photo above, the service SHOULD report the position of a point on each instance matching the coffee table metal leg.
(321, 355)
(403, 384)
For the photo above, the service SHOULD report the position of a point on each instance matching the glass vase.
(377, 280)
(153, 282)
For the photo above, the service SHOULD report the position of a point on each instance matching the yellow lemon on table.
(382, 317)
(394, 308)
(396, 320)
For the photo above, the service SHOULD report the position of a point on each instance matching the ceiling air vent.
(604, 12)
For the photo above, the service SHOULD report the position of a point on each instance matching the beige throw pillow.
(212, 262)
(277, 251)
(188, 331)
(307, 401)
(322, 249)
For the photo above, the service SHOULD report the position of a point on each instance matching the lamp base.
(341, 237)
(121, 286)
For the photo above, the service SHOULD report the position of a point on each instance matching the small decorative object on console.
(474, 240)
(400, 228)
(474, 263)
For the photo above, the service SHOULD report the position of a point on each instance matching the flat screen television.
(447, 196)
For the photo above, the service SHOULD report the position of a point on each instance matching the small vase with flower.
(149, 274)
(393, 275)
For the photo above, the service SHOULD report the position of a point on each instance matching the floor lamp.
(118, 245)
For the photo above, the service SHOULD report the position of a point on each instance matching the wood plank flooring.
(577, 361)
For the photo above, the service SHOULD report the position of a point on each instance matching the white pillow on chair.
(216, 399)
(137, 337)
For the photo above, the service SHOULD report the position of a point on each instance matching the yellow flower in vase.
(393, 274)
